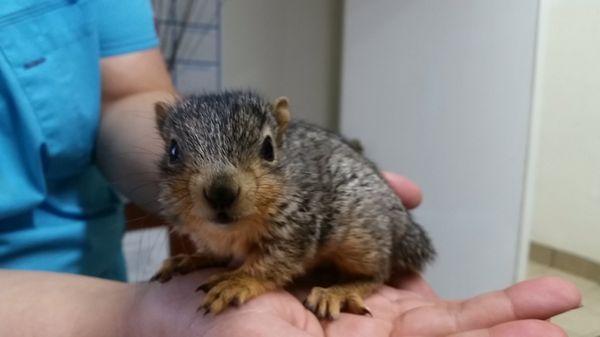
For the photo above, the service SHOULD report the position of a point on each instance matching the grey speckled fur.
(343, 194)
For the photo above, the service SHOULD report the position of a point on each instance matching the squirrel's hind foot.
(327, 303)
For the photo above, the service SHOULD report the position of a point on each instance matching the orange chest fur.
(237, 241)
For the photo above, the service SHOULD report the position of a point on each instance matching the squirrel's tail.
(413, 248)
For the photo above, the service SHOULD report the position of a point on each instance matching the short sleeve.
(125, 26)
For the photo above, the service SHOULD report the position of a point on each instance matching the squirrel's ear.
(161, 109)
(281, 112)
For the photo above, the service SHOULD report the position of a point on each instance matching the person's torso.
(56, 210)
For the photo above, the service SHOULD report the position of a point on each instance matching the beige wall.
(564, 196)
(287, 48)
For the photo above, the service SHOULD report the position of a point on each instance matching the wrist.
(166, 309)
(52, 304)
(138, 321)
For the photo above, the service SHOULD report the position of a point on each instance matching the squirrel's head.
(221, 158)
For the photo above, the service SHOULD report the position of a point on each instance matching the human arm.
(40, 304)
(48, 304)
(128, 144)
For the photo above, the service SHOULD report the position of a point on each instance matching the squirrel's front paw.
(230, 288)
(178, 264)
(183, 264)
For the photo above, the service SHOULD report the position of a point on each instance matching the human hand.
(414, 310)
(411, 310)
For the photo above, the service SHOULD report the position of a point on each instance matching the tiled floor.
(583, 322)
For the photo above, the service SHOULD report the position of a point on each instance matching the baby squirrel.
(280, 198)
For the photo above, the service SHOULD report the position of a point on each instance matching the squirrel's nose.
(221, 196)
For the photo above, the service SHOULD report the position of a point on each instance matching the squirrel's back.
(336, 181)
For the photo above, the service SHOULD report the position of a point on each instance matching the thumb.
(409, 192)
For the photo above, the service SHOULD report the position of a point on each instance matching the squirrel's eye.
(173, 152)
(266, 150)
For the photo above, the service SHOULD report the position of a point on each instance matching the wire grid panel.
(190, 35)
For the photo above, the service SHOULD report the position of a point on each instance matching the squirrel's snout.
(221, 196)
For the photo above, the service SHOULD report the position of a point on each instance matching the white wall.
(565, 186)
(286, 48)
(441, 91)
(144, 251)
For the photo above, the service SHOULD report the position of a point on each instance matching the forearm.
(49, 304)
(129, 146)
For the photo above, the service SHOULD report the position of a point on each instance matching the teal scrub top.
(57, 213)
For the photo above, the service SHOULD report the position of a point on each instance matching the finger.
(544, 297)
(409, 192)
(528, 328)
(414, 282)
(539, 299)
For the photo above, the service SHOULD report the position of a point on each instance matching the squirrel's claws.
(205, 287)
(309, 305)
(366, 312)
(160, 277)
(204, 308)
